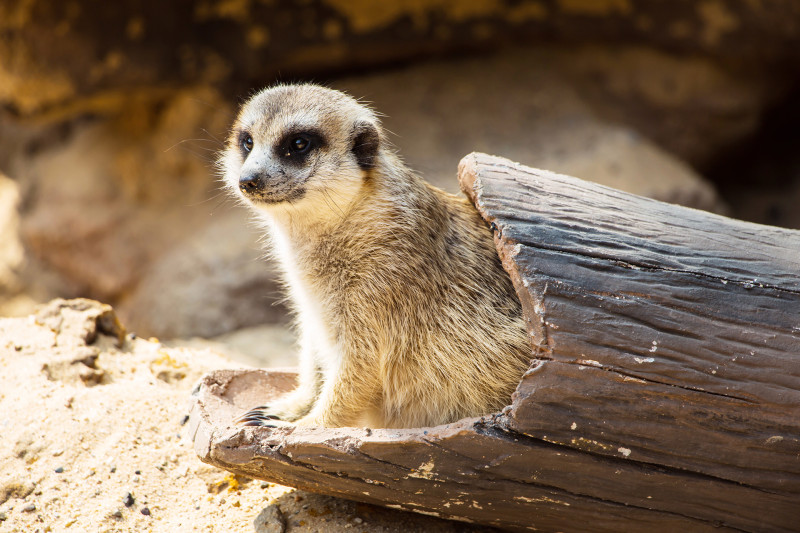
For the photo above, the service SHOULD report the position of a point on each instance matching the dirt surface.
(92, 438)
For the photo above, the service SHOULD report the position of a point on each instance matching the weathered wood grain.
(666, 332)
(664, 392)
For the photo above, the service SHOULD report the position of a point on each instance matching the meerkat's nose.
(251, 182)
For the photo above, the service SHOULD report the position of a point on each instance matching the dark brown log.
(664, 392)
(669, 333)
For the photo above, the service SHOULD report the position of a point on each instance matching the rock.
(82, 320)
(128, 500)
(13, 300)
(15, 489)
(142, 190)
(270, 520)
(58, 58)
(136, 223)
(215, 281)
(540, 108)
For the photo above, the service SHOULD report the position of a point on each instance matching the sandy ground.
(92, 439)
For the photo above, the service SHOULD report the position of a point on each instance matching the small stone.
(128, 500)
(113, 469)
(59, 470)
(358, 520)
(117, 514)
(145, 511)
(138, 472)
(3, 517)
(29, 508)
(270, 520)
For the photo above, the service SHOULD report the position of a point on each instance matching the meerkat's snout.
(251, 183)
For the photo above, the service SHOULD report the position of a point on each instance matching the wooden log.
(677, 330)
(664, 391)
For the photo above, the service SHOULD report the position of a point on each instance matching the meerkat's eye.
(247, 143)
(299, 144)
(296, 146)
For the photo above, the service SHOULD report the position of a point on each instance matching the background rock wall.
(111, 115)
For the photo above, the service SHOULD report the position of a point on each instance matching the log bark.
(664, 391)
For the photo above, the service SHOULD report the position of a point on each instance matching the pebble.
(128, 500)
(59, 470)
(117, 514)
(3, 517)
(270, 520)
(145, 511)
(358, 520)
(29, 508)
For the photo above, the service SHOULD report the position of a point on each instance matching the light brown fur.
(406, 316)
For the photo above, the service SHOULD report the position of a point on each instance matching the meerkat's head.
(303, 145)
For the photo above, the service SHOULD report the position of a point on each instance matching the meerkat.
(405, 315)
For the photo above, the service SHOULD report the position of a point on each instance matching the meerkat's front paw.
(281, 412)
(262, 416)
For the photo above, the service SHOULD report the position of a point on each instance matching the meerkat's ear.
(365, 144)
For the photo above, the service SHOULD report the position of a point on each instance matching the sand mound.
(92, 438)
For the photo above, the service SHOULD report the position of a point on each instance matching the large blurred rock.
(13, 300)
(125, 207)
(212, 281)
(57, 57)
(542, 109)
(102, 201)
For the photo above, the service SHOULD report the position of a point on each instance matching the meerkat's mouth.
(276, 197)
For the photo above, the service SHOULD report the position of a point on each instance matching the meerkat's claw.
(257, 416)
(266, 423)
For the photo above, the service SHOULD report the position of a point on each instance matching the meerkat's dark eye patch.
(295, 146)
(246, 141)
